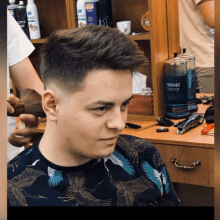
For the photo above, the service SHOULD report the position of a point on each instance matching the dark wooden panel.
(131, 10)
(141, 104)
(52, 15)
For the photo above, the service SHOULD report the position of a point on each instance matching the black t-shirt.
(133, 175)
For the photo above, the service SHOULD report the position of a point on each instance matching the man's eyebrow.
(100, 102)
(129, 99)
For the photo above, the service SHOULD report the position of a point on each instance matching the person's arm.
(206, 8)
(24, 76)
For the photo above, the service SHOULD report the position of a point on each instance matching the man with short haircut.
(82, 160)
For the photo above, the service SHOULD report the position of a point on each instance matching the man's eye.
(101, 109)
(124, 106)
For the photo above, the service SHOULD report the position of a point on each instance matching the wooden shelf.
(38, 41)
(143, 36)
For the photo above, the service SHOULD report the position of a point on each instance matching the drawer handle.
(174, 160)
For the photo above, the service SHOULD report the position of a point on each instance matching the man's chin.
(104, 154)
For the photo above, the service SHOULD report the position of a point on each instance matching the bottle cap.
(21, 2)
(30, 1)
(11, 1)
(175, 61)
(186, 56)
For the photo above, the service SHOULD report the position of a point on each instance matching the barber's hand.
(28, 133)
(10, 109)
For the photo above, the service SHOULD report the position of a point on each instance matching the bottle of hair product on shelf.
(92, 12)
(21, 15)
(191, 80)
(81, 13)
(33, 22)
(105, 13)
(12, 8)
(176, 88)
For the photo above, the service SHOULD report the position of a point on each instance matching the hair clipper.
(192, 121)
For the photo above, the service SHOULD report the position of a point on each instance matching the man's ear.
(50, 101)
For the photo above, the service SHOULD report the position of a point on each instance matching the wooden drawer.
(202, 174)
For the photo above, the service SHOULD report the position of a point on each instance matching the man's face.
(91, 119)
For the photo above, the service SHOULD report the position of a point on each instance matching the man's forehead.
(105, 85)
(108, 89)
(110, 101)
(105, 75)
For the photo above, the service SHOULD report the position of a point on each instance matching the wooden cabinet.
(157, 44)
(186, 148)
(201, 175)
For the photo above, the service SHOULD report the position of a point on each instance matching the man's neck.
(53, 148)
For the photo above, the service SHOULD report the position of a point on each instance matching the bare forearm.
(207, 10)
(24, 76)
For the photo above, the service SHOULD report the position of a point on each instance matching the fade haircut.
(69, 55)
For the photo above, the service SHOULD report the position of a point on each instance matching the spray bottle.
(105, 13)
(81, 13)
(21, 15)
(12, 8)
(33, 22)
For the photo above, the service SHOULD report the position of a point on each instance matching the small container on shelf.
(105, 13)
(21, 16)
(12, 8)
(92, 12)
(81, 13)
(33, 22)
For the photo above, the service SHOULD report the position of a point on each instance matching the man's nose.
(117, 121)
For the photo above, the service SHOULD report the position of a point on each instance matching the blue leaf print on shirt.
(29, 151)
(153, 174)
(55, 177)
(165, 180)
(125, 163)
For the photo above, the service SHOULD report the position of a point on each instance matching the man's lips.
(112, 138)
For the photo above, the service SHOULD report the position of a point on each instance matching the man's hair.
(69, 55)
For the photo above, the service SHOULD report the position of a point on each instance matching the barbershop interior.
(170, 108)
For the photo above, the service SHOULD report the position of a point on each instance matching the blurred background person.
(196, 18)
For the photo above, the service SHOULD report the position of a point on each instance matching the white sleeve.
(19, 46)
(197, 1)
